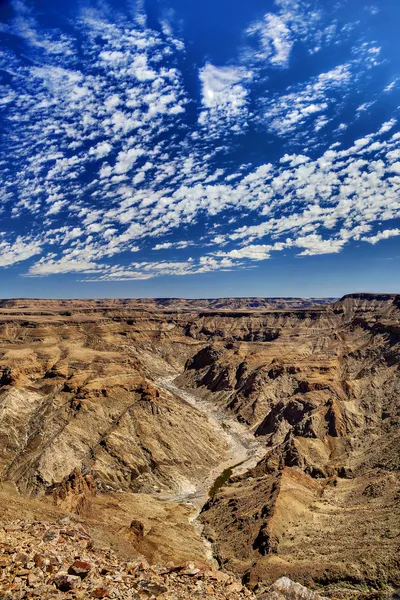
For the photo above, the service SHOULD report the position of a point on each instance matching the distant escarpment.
(165, 303)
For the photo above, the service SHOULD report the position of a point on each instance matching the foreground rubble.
(48, 561)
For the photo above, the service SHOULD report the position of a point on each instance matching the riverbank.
(244, 452)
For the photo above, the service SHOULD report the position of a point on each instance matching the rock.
(6, 377)
(21, 558)
(218, 575)
(324, 383)
(105, 576)
(80, 568)
(40, 561)
(190, 572)
(75, 493)
(51, 535)
(284, 588)
(33, 579)
(100, 592)
(137, 528)
(234, 587)
(150, 587)
(66, 582)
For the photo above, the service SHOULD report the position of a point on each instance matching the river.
(244, 449)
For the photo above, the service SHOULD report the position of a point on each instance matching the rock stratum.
(276, 419)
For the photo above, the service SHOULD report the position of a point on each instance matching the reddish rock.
(80, 568)
(39, 561)
(100, 593)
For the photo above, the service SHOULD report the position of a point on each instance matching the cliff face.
(77, 393)
(324, 395)
(85, 414)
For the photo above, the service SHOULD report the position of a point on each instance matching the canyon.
(258, 436)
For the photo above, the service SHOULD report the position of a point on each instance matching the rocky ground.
(59, 561)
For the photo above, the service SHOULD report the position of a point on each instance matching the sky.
(199, 149)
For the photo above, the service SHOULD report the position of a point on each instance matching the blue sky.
(218, 148)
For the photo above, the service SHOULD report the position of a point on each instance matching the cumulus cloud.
(309, 102)
(224, 97)
(178, 245)
(148, 270)
(17, 251)
(221, 87)
(314, 244)
(64, 265)
(275, 39)
(277, 32)
(381, 235)
(101, 150)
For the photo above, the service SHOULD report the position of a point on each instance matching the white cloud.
(387, 126)
(164, 246)
(101, 150)
(381, 235)
(222, 87)
(391, 86)
(114, 57)
(288, 112)
(51, 266)
(275, 40)
(252, 252)
(12, 253)
(314, 244)
(224, 98)
(178, 245)
(126, 159)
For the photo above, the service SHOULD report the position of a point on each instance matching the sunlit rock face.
(324, 396)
